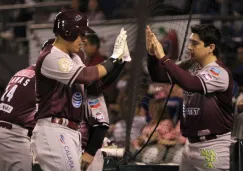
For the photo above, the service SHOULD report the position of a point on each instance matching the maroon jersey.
(212, 111)
(18, 103)
(57, 94)
(207, 97)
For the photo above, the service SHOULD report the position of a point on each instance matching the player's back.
(18, 101)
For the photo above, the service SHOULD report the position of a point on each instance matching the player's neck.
(61, 45)
(209, 59)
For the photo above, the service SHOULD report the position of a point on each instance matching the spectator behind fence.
(94, 12)
(92, 46)
(118, 130)
(153, 152)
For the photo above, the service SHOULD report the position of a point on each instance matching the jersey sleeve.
(61, 68)
(98, 111)
(214, 79)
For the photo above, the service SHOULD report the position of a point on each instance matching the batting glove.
(119, 45)
(126, 56)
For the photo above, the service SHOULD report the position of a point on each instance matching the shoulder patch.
(215, 71)
(65, 65)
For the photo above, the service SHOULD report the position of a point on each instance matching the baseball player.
(97, 104)
(17, 108)
(98, 110)
(61, 99)
(207, 97)
(96, 100)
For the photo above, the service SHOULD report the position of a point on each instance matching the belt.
(6, 125)
(65, 122)
(10, 127)
(200, 139)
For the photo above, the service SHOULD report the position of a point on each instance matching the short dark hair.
(209, 34)
(93, 39)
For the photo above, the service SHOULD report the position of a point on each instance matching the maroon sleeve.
(158, 73)
(181, 77)
(87, 75)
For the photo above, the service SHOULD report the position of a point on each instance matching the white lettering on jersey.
(191, 111)
(26, 82)
(187, 93)
(6, 108)
(19, 80)
(9, 93)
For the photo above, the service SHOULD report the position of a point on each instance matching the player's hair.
(93, 39)
(209, 34)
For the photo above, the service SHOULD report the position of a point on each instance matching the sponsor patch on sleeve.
(65, 65)
(215, 71)
(95, 103)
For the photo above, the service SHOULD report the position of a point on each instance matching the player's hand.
(240, 106)
(157, 46)
(119, 45)
(126, 53)
(149, 46)
(153, 46)
(86, 161)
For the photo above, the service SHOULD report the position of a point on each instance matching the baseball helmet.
(70, 24)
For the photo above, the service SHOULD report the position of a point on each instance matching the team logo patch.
(77, 99)
(95, 103)
(215, 71)
(78, 18)
(99, 116)
(66, 151)
(210, 157)
(65, 65)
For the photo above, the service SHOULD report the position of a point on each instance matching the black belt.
(200, 139)
(6, 125)
(10, 126)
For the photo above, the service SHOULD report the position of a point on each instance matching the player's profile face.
(196, 47)
(89, 49)
(76, 45)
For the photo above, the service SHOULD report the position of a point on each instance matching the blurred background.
(134, 102)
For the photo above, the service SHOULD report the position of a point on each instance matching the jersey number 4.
(9, 93)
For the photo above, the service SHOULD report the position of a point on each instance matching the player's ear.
(211, 48)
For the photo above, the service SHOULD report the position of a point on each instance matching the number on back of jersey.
(9, 93)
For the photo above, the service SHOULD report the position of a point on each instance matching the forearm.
(110, 78)
(96, 139)
(98, 86)
(102, 70)
(181, 77)
(93, 73)
(157, 72)
(87, 75)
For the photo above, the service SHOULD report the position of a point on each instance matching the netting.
(139, 105)
(154, 136)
